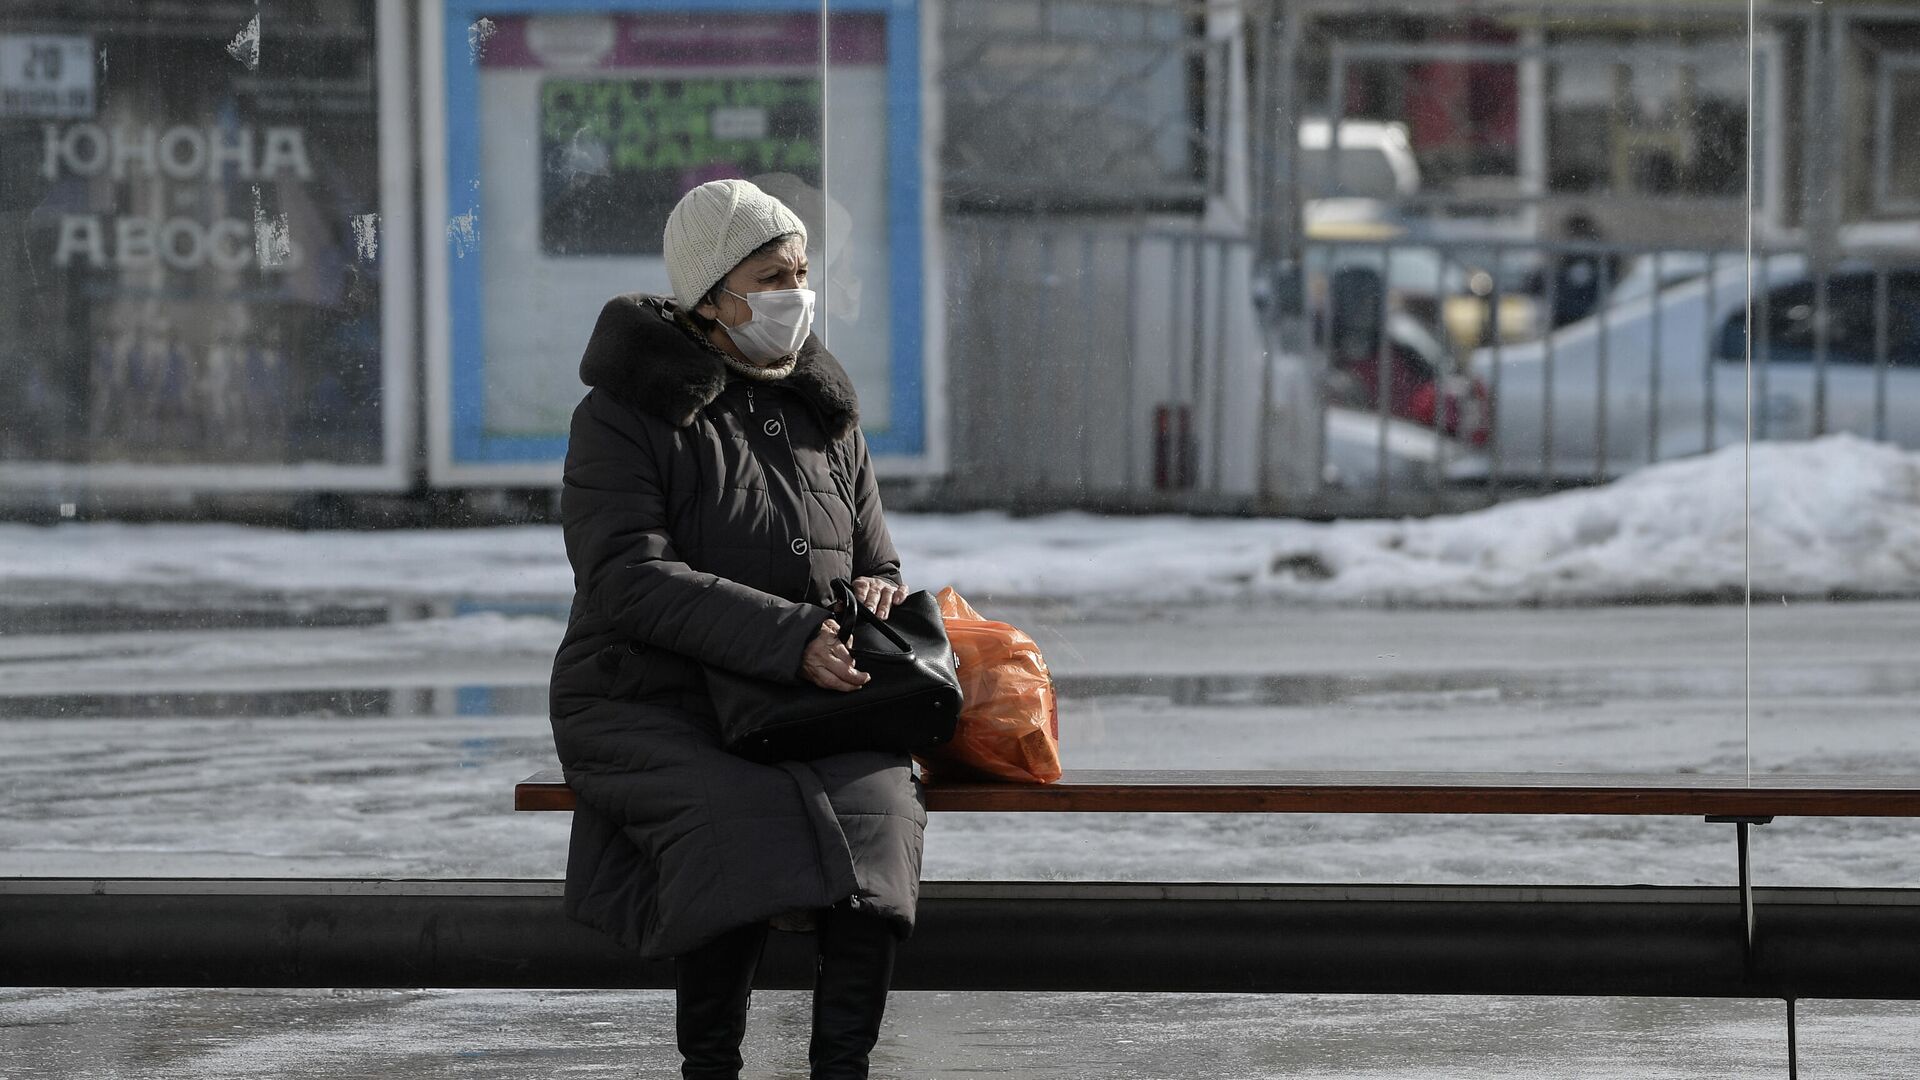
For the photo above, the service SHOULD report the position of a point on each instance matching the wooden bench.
(1269, 792)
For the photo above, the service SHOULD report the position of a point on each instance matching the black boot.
(712, 985)
(849, 991)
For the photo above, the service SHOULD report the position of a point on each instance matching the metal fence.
(1101, 364)
(1595, 359)
(1575, 334)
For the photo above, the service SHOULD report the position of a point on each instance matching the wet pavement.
(307, 736)
(477, 1035)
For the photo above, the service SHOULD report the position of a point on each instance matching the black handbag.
(911, 703)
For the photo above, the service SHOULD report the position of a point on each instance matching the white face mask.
(781, 320)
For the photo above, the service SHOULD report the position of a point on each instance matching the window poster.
(632, 143)
(571, 130)
(195, 231)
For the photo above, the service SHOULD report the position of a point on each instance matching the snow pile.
(506, 563)
(1838, 516)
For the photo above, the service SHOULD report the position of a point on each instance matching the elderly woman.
(717, 483)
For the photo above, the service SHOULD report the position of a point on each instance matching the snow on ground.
(1840, 515)
(1835, 516)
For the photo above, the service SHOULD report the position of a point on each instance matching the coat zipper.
(749, 399)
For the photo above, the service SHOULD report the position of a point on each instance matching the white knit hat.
(716, 225)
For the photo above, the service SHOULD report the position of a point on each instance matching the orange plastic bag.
(1009, 725)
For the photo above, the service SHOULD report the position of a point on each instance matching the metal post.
(1043, 405)
(1132, 353)
(1743, 839)
(1197, 371)
(1322, 343)
(825, 280)
(1178, 310)
(1819, 213)
(1741, 826)
(1822, 337)
(1443, 405)
(1881, 317)
(1495, 297)
(1760, 348)
(1385, 369)
(1653, 361)
(1336, 118)
(991, 454)
(1793, 1043)
(1217, 451)
(1261, 127)
(1711, 351)
(1292, 408)
(1550, 301)
(1532, 71)
(1084, 394)
(1600, 376)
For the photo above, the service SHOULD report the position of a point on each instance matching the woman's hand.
(828, 663)
(878, 594)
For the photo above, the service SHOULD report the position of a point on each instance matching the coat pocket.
(623, 665)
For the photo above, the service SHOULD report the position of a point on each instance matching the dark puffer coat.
(705, 517)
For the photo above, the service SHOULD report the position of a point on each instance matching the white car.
(1376, 160)
(1665, 375)
(1416, 459)
(1647, 274)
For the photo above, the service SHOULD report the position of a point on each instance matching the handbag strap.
(858, 613)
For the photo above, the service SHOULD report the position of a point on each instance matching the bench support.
(1793, 1044)
(1743, 842)
(1742, 834)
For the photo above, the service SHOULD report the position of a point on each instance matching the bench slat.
(1270, 792)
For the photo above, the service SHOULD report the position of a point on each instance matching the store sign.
(570, 136)
(630, 143)
(192, 277)
(183, 155)
(47, 75)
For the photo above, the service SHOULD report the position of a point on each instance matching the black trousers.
(853, 972)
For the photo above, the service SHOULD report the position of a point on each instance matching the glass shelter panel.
(571, 131)
(206, 258)
(1328, 386)
(1454, 297)
(1832, 337)
(1493, 250)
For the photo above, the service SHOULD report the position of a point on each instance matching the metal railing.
(1101, 363)
(1648, 362)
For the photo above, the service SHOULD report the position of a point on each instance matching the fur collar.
(638, 353)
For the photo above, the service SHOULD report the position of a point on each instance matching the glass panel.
(206, 309)
(1517, 237)
(589, 127)
(208, 220)
(1836, 302)
(194, 216)
(1043, 251)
